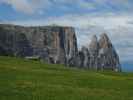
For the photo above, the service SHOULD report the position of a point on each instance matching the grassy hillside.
(30, 80)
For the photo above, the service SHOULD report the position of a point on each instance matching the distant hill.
(22, 79)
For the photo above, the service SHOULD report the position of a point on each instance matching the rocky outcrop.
(58, 45)
(93, 51)
(108, 58)
(55, 44)
(81, 59)
(100, 55)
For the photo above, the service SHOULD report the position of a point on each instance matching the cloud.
(34, 6)
(26, 6)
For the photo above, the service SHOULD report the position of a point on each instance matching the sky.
(114, 17)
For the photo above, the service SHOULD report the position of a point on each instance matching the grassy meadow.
(32, 80)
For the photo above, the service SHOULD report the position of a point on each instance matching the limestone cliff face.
(56, 44)
(53, 43)
(100, 55)
(13, 42)
(108, 58)
(93, 51)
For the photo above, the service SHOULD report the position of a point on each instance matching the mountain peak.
(104, 41)
(94, 43)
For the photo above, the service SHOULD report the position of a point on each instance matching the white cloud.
(21, 5)
(34, 6)
(26, 6)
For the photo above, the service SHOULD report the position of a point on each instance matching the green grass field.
(31, 80)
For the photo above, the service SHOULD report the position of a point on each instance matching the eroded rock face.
(93, 51)
(13, 43)
(100, 55)
(108, 58)
(56, 44)
(86, 55)
(53, 43)
(81, 59)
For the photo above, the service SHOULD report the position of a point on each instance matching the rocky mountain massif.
(58, 45)
(99, 55)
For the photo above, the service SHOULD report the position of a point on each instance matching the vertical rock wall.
(101, 55)
(56, 44)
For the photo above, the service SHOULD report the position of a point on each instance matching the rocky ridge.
(58, 45)
(99, 55)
